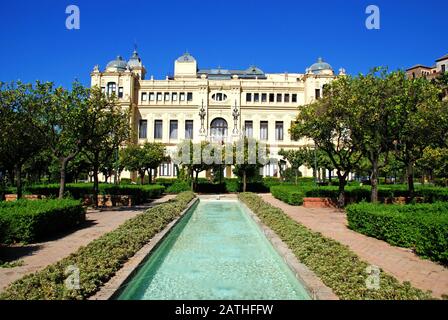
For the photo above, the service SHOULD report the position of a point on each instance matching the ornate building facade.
(210, 104)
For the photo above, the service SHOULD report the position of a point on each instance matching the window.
(173, 129)
(271, 97)
(152, 96)
(294, 97)
(111, 88)
(317, 94)
(144, 96)
(279, 130)
(174, 96)
(120, 92)
(279, 97)
(164, 169)
(158, 129)
(443, 68)
(248, 129)
(287, 97)
(263, 130)
(190, 96)
(159, 96)
(167, 96)
(256, 97)
(188, 129)
(249, 97)
(218, 129)
(182, 96)
(219, 96)
(263, 97)
(142, 129)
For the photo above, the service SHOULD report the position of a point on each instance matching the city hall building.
(213, 104)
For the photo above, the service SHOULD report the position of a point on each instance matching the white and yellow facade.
(210, 104)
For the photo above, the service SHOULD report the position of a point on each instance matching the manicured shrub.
(335, 264)
(289, 194)
(422, 227)
(178, 186)
(100, 259)
(139, 193)
(166, 182)
(232, 185)
(27, 221)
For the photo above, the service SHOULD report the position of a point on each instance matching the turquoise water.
(215, 252)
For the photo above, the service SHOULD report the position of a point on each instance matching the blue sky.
(277, 36)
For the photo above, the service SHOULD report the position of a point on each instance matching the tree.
(327, 123)
(248, 159)
(60, 117)
(419, 119)
(109, 127)
(296, 159)
(143, 158)
(19, 141)
(372, 100)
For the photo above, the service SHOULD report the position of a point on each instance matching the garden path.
(401, 263)
(37, 256)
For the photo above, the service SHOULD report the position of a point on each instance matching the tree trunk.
(95, 180)
(374, 181)
(62, 180)
(19, 181)
(297, 176)
(244, 181)
(341, 191)
(410, 173)
(192, 179)
(329, 175)
(142, 177)
(150, 175)
(196, 180)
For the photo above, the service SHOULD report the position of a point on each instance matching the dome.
(186, 57)
(135, 60)
(320, 67)
(254, 70)
(116, 65)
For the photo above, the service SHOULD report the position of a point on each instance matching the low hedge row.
(289, 194)
(422, 227)
(335, 264)
(139, 193)
(354, 194)
(27, 221)
(100, 259)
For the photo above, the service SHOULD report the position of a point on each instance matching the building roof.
(445, 57)
(135, 60)
(117, 65)
(186, 57)
(224, 74)
(320, 66)
(419, 66)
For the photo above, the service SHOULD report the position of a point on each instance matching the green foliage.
(288, 194)
(422, 227)
(100, 259)
(355, 193)
(178, 186)
(28, 221)
(139, 193)
(335, 264)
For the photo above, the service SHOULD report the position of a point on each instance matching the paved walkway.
(402, 263)
(37, 256)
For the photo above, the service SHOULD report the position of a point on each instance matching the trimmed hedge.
(100, 259)
(422, 227)
(289, 194)
(27, 221)
(139, 193)
(178, 186)
(335, 264)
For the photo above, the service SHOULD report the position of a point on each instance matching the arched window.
(218, 128)
(111, 88)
